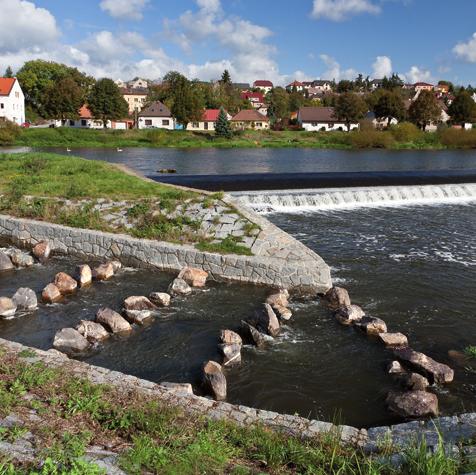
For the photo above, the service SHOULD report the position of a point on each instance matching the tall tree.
(222, 126)
(278, 109)
(8, 72)
(350, 108)
(345, 86)
(425, 110)
(63, 99)
(106, 101)
(393, 82)
(226, 77)
(463, 108)
(389, 105)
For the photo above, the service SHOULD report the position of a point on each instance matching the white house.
(156, 116)
(12, 101)
(263, 85)
(250, 119)
(380, 123)
(295, 85)
(321, 85)
(135, 98)
(86, 120)
(210, 116)
(322, 119)
(138, 83)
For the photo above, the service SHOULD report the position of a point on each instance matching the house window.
(259, 124)
(195, 125)
(166, 122)
(136, 99)
(17, 95)
(84, 122)
(148, 121)
(2, 106)
(71, 123)
(206, 125)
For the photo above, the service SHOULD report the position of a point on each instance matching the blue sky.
(269, 39)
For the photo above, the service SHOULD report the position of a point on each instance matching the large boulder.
(70, 341)
(42, 251)
(7, 307)
(160, 299)
(349, 315)
(103, 271)
(278, 299)
(140, 317)
(282, 312)
(5, 262)
(230, 347)
(51, 294)
(22, 259)
(413, 404)
(214, 380)
(139, 303)
(414, 381)
(337, 297)
(372, 325)
(436, 372)
(229, 337)
(84, 275)
(112, 320)
(92, 331)
(179, 287)
(65, 283)
(193, 276)
(116, 265)
(254, 335)
(267, 321)
(25, 299)
(393, 340)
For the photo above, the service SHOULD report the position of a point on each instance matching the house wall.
(326, 126)
(135, 101)
(87, 124)
(156, 123)
(201, 126)
(255, 125)
(12, 107)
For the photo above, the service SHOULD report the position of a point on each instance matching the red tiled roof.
(422, 84)
(262, 83)
(295, 83)
(211, 115)
(6, 85)
(85, 113)
(252, 95)
(249, 115)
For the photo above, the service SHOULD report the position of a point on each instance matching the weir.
(342, 198)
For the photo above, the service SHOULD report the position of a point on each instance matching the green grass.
(229, 245)
(470, 351)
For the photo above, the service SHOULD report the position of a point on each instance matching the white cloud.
(334, 70)
(467, 51)
(417, 74)
(25, 26)
(338, 10)
(382, 67)
(126, 9)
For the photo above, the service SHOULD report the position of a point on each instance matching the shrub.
(9, 132)
(371, 139)
(406, 132)
(156, 136)
(458, 138)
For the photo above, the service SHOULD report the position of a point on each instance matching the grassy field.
(152, 438)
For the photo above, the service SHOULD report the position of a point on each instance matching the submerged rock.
(414, 381)
(25, 299)
(437, 372)
(161, 299)
(84, 275)
(5, 262)
(138, 303)
(337, 297)
(140, 317)
(92, 331)
(104, 271)
(65, 283)
(69, 340)
(413, 404)
(178, 388)
(7, 307)
(22, 259)
(349, 315)
(214, 380)
(393, 340)
(42, 251)
(112, 320)
(179, 287)
(372, 325)
(51, 294)
(193, 276)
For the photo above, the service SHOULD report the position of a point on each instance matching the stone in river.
(413, 404)
(5, 262)
(214, 380)
(65, 283)
(51, 294)
(414, 381)
(92, 331)
(282, 312)
(112, 320)
(84, 275)
(22, 259)
(229, 337)
(231, 354)
(179, 287)
(337, 297)
(104, 271)
(437, 372)
(69, 340)
(259, 339)
(116, 265)
(268, 321)
(141, 317)
(278, 299)
(395, 368)
(349, 315)
(25, 299)
(7, 307)
(393, 340)
(161, 299)
(139, 303)
(193, 276)
(42, 251)
(372, 325)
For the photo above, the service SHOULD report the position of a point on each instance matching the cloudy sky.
(254, 39)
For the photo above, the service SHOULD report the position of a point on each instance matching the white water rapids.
(343, 198)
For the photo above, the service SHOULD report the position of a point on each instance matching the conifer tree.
(222, 126)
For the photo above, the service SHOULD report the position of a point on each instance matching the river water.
(410, 264)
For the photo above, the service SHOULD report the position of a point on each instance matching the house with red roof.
(209, 118)
(423, 86)
(250, 119)
(86, 120)
(295, 85)
(263, 85)
(12, 101)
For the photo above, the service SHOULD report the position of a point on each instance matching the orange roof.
(85, 113)
(249, 115)
(6, 85)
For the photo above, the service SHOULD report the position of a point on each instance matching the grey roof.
(317, 114)
(156, 109)
(320, 82)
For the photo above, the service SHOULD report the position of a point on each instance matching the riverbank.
(404, 138)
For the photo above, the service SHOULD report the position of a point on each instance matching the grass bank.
(95, 195)
(404, 136)
(65, 416)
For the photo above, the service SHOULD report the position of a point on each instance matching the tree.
(393, 82)
(106, 102)
(350, 108)
(63, 99)
(345, 86)
(389, 105)
(296, 100)
(425, 110)
(222, 126)
(278, 109)
(463, 108)
(225, 77)
(8, 72)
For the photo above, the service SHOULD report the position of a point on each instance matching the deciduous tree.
(389, 105)
(463, 108)
(106, 101)
(350, 108)
(425, 110)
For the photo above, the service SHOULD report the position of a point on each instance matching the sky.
(279, 40)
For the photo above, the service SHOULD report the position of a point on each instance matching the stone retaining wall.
(278, 261)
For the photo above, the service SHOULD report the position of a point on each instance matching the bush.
(406, 132)
(458, 138)
(156, 136)
(9, 132)
(371, 139)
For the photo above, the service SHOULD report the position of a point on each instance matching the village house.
(423, 86)
(376, 84)
(295, 85)
(321, 85)
(12, 101)
(442, 89)
(263, 85)
(210, 116)
(156, 116)
(444, 118)
(322, 119)
(250, 119)
(256, 99)
(137, 83)
(135, 98)
(86, 120)
(380, 123)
